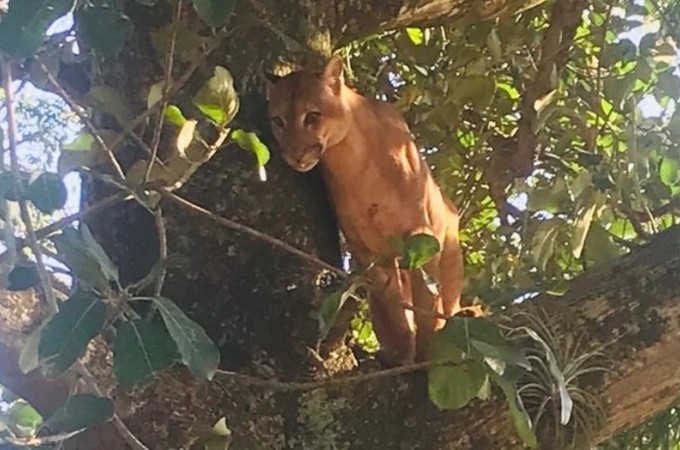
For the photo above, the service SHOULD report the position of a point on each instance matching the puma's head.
(308, 114)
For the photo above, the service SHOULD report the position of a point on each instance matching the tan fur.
(380, 187)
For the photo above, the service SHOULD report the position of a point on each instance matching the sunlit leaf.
(217, 99)
(418, 250)
(23, 419)
(669, 171)
(249, 141)
(175, 116)
(415, 35)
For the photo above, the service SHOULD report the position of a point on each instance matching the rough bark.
(629, 310)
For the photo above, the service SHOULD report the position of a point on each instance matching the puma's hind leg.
(392, 323)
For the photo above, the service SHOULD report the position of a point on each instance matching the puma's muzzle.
(305, 161)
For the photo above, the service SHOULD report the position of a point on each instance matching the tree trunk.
(256, 301)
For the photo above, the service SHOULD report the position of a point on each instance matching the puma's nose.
(310, 158)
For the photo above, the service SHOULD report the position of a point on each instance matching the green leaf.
(544, 241)
(141, 350)
(583, 221)
(493, 43)
(84, 151)
(329, 309)
(566, 401)
(416, 35)
(83, 142)
(102, 28)
(66, 335)
(418, 250)
(669, 171)
(23, 277)
(23, 27)
(249, 141)
(28, 358)
(217, 99)
(23, 419)
(79, 412)
(214, 12)
(498, 357)
(78, 250)
(217, 438)
(198, 351)
(175, 116)
(519, 416)
(47, 192)
(110, 101)
(452, 387)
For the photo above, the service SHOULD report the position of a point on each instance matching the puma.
(380, 187)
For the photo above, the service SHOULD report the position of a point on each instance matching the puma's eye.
(277, 122)
(312, 118)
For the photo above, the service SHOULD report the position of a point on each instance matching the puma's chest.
(371, 210)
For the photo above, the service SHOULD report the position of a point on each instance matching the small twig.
(44, 440)
(167, 81)
(162, 251)
(250, 231)
(296, 386)
(44, 232)
(45, 280)
(125, 432)
(86, 121)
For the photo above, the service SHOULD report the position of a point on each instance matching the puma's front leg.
(429, 304)
(393, 325)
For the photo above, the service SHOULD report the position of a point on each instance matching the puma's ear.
(270, 80)
(333, 74)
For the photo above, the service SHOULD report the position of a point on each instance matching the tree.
(530, 113)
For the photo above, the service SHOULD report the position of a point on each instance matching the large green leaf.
(198, 351)
(142, 349)
(418, 250)
(329, 309)
(65, 337)
(23, 27)
(214, 12)
(519, 416)
(669, 171)
(103, 29)
(79, 412)
(85, 257)
(453, 386)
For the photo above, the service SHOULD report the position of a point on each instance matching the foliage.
(605, 178)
